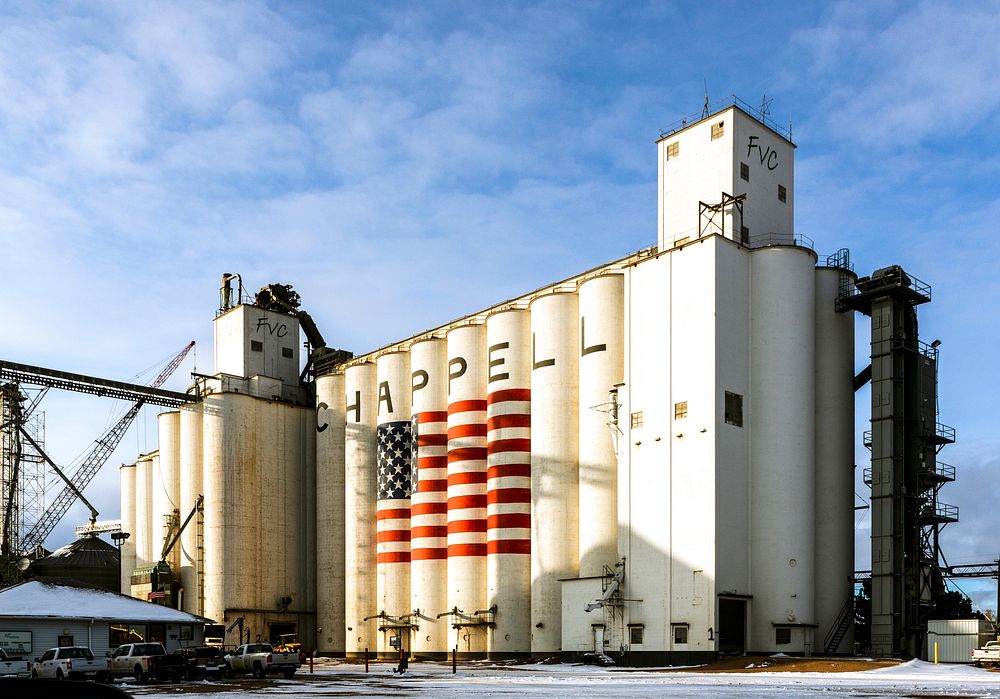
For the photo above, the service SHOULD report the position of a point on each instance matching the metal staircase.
(839, 629)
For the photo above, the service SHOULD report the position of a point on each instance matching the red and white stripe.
(467, 478)
(509, 471)
(429, 508)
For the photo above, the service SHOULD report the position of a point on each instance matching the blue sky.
(402, 164)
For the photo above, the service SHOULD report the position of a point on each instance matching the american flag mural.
(508, 503)
(429, 535)
(467, 478)
(395, 479)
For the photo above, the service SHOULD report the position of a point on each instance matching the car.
(203, 661)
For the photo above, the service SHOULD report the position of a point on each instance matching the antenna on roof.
(789, 129)
(705, 110)
(765, 106)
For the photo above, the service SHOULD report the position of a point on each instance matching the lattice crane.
(104, 446)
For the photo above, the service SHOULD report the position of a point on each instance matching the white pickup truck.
(70, 662)
(10, 666)
(146, 661)
(261, 660)
(987, 655)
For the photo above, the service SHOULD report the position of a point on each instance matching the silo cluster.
(461, 463)
(249, 549)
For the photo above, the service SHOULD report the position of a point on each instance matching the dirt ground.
(764, 663)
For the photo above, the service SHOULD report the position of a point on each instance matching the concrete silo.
(467, 487)
(167, 484)
(330, 514)
(834, 457)
(508, 485)
(127, 475)
(429, 501)
(782, 449)
(602, 346)
(394, 445)
(231, 479)
(143, 533)
(190, 547)
(555, 425)
(359, 505)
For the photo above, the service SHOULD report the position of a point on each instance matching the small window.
(782, 637)
(636, 419)
(744, 172)
(680, 633)
(744, 235)
(734, 409)
(186, 632)
(286, 352)
(717, 130)
(256, 346)
(673, 149)
(680, 410)
(782, 194)
(635, 635)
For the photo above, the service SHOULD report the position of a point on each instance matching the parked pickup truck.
(203, 661)
(987, 655)
(70, 662)
(261, 660)
(10, 666)
(146, 661)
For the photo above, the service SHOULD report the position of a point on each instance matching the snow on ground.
(913, 679)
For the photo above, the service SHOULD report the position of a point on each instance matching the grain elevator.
(651, 461)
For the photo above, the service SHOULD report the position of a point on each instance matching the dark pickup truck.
(146, 661)
(203, 661)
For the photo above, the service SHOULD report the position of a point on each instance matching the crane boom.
(97, 457)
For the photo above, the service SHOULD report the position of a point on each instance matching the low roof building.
(37, 615)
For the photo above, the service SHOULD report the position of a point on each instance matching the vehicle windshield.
(148, 649)
(259, 648)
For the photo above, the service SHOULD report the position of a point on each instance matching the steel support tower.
(905, 475)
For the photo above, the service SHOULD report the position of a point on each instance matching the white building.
(36, 616)
(666, 441)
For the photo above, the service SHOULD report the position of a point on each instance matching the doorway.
(732, 626)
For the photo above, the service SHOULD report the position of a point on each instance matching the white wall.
(277, 333)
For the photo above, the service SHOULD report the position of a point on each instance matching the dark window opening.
(256, 346)
(744, 172)
(680, 633)
(744, 235)
(734, 409)
(782, 637)
(635, 635)
(287, 353)
(782, 194)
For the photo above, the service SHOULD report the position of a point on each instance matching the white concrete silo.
(782, 458)
(467, 485)
(329, 428)
(308, 600)
(190, 545)
(508, 484)
(429, 502)
(359, 505)
(167, 484)
(555, 428)
(834, 456)
(602, 347)
(143, 512)
(231, 478)
(392, 537)
(127, 552)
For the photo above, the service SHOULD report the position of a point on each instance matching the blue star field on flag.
(395, 460)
